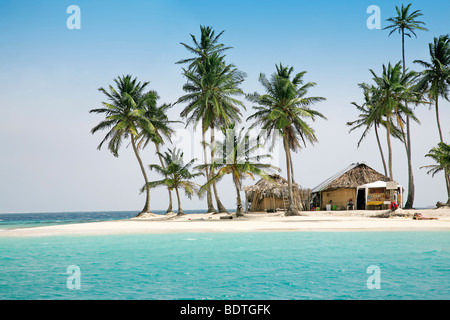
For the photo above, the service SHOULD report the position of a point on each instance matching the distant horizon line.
(100, 211)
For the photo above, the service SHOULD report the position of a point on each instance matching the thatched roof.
(264, 188)
(353, 176)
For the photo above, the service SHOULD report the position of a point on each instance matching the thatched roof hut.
(353, 176)
(340, 188)
(265, 188)
(267, 195)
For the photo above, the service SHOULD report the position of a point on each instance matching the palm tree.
(367, 119)
(281, 110)
(176, 175)
(440, 154)
(393, 90)
(435, 79)
(158, 117)
(125, 118)
(202, 49)
(240, 158)
(211, 87)
(207, 45)
(406, 24)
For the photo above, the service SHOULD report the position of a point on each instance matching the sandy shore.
(253, 222)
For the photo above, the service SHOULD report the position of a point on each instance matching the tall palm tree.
(207, 45)
(157, 115)
(176, 174)
(125, 118)
(440, 154)
(406, 24)
(211, 87)
(435, 79)
(394, 90)
(241, 159)
(367, 119)
(281, 110)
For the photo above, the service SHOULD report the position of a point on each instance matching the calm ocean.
(27, 220)
(227, 266)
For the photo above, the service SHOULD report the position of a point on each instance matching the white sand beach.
(355, 220)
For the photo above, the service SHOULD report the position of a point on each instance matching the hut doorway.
(361, 200)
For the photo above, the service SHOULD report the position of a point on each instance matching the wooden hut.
(340, 190)
(272, 196)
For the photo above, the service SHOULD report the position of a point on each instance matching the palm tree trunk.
(447, 180)
(297, 201)
(290, 211)
(388, 135)
(411, 188)
(381, 150)
(446, 173)
(168, 189)
(410, 199)
(208, 190)
(239, 211)
(220, 207)
(403, 51)
(146, 208)
(180, 211)
(437, 119)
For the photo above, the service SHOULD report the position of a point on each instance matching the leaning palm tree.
(157, 115)
(211, 89)
(435, 79)
(368, 119)
(125, 118)
(406, 23)
(281, 110)
(393, 90)
(440, 154)
(241, 159)
(176, 174)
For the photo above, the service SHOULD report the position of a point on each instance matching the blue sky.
(50, 75)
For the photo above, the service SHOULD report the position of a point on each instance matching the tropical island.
(185, 152)
(283, 113)
(213, 104)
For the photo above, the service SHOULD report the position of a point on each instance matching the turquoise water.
(238, 266)
(40, 219)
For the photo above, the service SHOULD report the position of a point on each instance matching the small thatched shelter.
(340, 190)
(378, 195)
(272, 196)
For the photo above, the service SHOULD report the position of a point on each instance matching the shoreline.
(324, 221)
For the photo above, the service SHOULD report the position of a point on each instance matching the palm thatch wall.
(267, 195)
